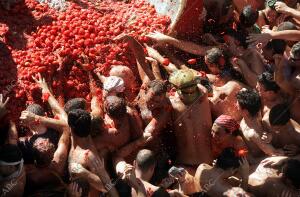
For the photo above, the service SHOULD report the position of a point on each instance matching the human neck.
(252, 121)
(142, 176)
(83, 142)
(39, 130)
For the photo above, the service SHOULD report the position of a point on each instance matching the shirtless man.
(144, 166)
(214, 180)
(83, 158)
(249, 104)
(270, 181)
(192, 119)
(225, 133)
(285, 131)
(269, 92)
(287, 76)
(119, 124)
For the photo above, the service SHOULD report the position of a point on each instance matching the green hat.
(183, 78)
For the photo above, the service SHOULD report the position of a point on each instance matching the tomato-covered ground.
(35, 38)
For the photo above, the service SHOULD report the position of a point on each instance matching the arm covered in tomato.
(186, 46)
(56, 108)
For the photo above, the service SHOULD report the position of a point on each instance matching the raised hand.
(244, 166)
(274, 161)
(262, 39)
(158, 37)
(27, 117)
(281, 7)
(122, 37)
(74, 190)
(291, 150)
(41, 82)
(3, 105)
(98, 165)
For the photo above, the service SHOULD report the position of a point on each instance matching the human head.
(156, 93)
(37, 110)
(270, 12)
(75, 103)
(215, 60)
(224, 128)
(145, 163)
(228, 160)
(273, 47)
(291, 173)
(43, 151)
(125, 73)
(226, 11)
(279, 115)
(295, 54)
(80, 122)
(248, 17)
(115, 107)
(10, 159)
(266, 85)
(249, 102)
(185, 83)
(113, 85)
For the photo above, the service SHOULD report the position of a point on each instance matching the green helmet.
(183, 78)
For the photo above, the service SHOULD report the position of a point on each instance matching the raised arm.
(281, 7)
(29, 118)
(56, 108)
(97, 167)
(284, 84)
(186, 46)
(138, 51)
(77, 170)
(3, 105)
(157, 56)
(12, 134)
(264, 38)
(266, 148)
(249, 75)
(61, 154)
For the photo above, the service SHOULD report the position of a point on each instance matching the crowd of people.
(228, 126)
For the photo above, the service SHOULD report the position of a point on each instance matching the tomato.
(192, 61)
(166, 62)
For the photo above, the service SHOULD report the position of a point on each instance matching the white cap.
(114, 84)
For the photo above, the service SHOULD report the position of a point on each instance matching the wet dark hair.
(160, 192)
(278, 46)
(115, 106)
(286, 25)
(10, 153)
(225, 7)
(75, 103)
(249, 100)
(267, 80)
(291, 171)
(228, 159)
(145, 159)
(80, 122)
(296, 50)
(248, 17)
(279, 114)
(213, 55)
(158, 87)
(36, 109)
